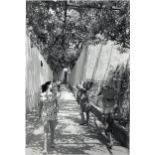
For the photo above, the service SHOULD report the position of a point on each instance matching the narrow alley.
(71, 137)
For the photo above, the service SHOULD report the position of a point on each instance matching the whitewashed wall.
(108, 59)
(77, 73)
(36, 75)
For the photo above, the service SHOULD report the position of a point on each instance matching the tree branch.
(89, 7)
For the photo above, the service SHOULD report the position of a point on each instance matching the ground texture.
(70, 137)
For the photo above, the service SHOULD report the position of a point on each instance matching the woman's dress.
(50, 107)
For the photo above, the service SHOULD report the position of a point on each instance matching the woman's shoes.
(82, 123)
(44, 151)
(109, 146)
(52, 145)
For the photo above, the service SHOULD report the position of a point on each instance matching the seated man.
(108, 95)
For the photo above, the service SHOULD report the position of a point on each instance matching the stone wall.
(37, 72)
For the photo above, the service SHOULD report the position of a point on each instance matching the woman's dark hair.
(44, 87)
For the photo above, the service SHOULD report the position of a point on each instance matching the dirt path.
(71, 138)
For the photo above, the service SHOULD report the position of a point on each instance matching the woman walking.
(49, 111)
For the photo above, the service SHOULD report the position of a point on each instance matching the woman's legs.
(87, 117)
(82, 115)
(49, 124)
(52, 130)
(45, 143)
(45, 136)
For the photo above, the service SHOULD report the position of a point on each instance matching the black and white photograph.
(77, 77)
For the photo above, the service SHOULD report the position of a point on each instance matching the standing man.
(83, 101)
(65, 75)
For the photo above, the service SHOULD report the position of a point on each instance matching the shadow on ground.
(70, 138)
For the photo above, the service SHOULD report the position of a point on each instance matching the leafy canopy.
(61, 27)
